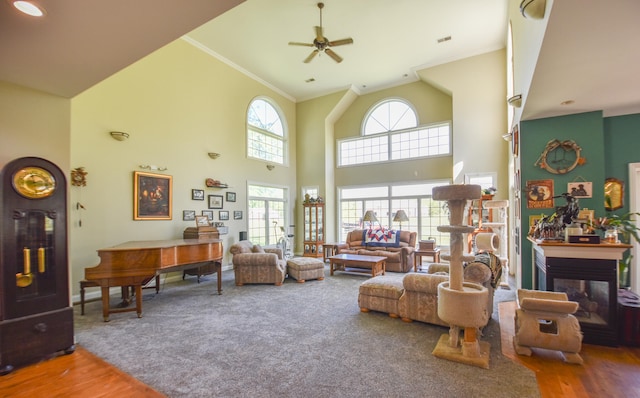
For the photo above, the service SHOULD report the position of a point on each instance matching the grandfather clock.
(36, 319)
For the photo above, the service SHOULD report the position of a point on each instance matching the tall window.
(390, 131)
(265, 132)
(267, 209)
(425, 214)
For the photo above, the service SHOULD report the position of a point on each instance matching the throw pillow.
(257, 249)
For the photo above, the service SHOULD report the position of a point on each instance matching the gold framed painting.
(152, 196)
(613, 194)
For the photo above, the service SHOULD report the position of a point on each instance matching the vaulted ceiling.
(588, 53)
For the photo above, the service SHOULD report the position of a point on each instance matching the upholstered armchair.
(254, 264)
(420, 299)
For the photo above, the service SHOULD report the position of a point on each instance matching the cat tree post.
(461, 304)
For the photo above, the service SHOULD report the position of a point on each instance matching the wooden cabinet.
(36, 319)
(313, 229)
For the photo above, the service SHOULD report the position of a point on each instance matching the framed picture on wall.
(231, 196)
(197, 194)
(237, 214)
(580, 189)
(152, 196)
(208, 214)
(223, 215)
(215, 201)
(188, 215)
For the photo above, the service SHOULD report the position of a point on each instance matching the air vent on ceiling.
(443, 39)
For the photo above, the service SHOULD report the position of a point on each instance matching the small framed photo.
(231, 196)
(223, 215)
(215, 201)
(202, 221)
(188, 215)
(237, 214)
(580, 189)
(208, 214)
(197, 194)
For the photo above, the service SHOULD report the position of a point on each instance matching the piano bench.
(83, 285)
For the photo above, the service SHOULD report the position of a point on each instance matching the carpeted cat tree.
(463, 305)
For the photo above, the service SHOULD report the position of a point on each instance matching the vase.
(611, 236)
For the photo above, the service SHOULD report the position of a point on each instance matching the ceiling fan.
(322, 44)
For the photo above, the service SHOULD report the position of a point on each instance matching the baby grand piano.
(135, 263)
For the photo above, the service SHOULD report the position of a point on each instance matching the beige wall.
(177, 104)
(33, 123)
(478, 88)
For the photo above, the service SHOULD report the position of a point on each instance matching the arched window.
(389, 115)
(390, 131)
(265, 132)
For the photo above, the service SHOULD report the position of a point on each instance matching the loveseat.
(414, 296)
(254, 264)
(396, 246)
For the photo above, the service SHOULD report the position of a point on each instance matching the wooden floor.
(607, 372)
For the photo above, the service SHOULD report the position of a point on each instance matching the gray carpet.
(294, 340)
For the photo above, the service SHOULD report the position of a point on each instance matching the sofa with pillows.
(397, 246)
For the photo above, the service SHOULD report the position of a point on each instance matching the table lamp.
(370, 216)
(400, 217)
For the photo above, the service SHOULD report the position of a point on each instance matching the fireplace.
(592, 282)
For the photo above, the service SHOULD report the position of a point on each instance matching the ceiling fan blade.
(333, 55)
(296, 43)
(341, 42)
(311, 56)
(319, 34)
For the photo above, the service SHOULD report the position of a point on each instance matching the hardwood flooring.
(607, 371)
(612, 372)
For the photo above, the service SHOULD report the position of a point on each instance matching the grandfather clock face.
(34, 182)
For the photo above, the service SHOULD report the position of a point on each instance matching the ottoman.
(381, 293)
(303, 268)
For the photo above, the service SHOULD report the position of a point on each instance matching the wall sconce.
(515, 101)
(213, 155)
(507, 137)
(119, 135)
(533, 9)
(270, 167)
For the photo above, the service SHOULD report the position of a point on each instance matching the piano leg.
(139, 300)
(219, 272)
(105, 303)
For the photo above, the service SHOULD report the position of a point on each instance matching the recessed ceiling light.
(567, 102)
(28, 8)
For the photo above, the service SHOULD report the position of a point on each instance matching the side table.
(328, 250)
(418, 254)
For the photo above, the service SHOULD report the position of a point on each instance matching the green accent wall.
(587, 130)
(621, 137)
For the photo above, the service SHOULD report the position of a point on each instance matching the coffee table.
(377, 263)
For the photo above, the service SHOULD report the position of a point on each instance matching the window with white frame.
(425, 214)
(266, 138)
(390, 131)
(267, 211)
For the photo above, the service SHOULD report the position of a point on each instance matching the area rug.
(295, 340)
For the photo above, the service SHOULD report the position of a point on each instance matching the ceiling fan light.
(28, 8)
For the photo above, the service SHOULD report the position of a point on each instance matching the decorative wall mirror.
(613, 194)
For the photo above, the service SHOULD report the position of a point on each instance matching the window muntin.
(267, 209)
(389, 115)
(425, 214)
(421, 142)
(265, 132)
